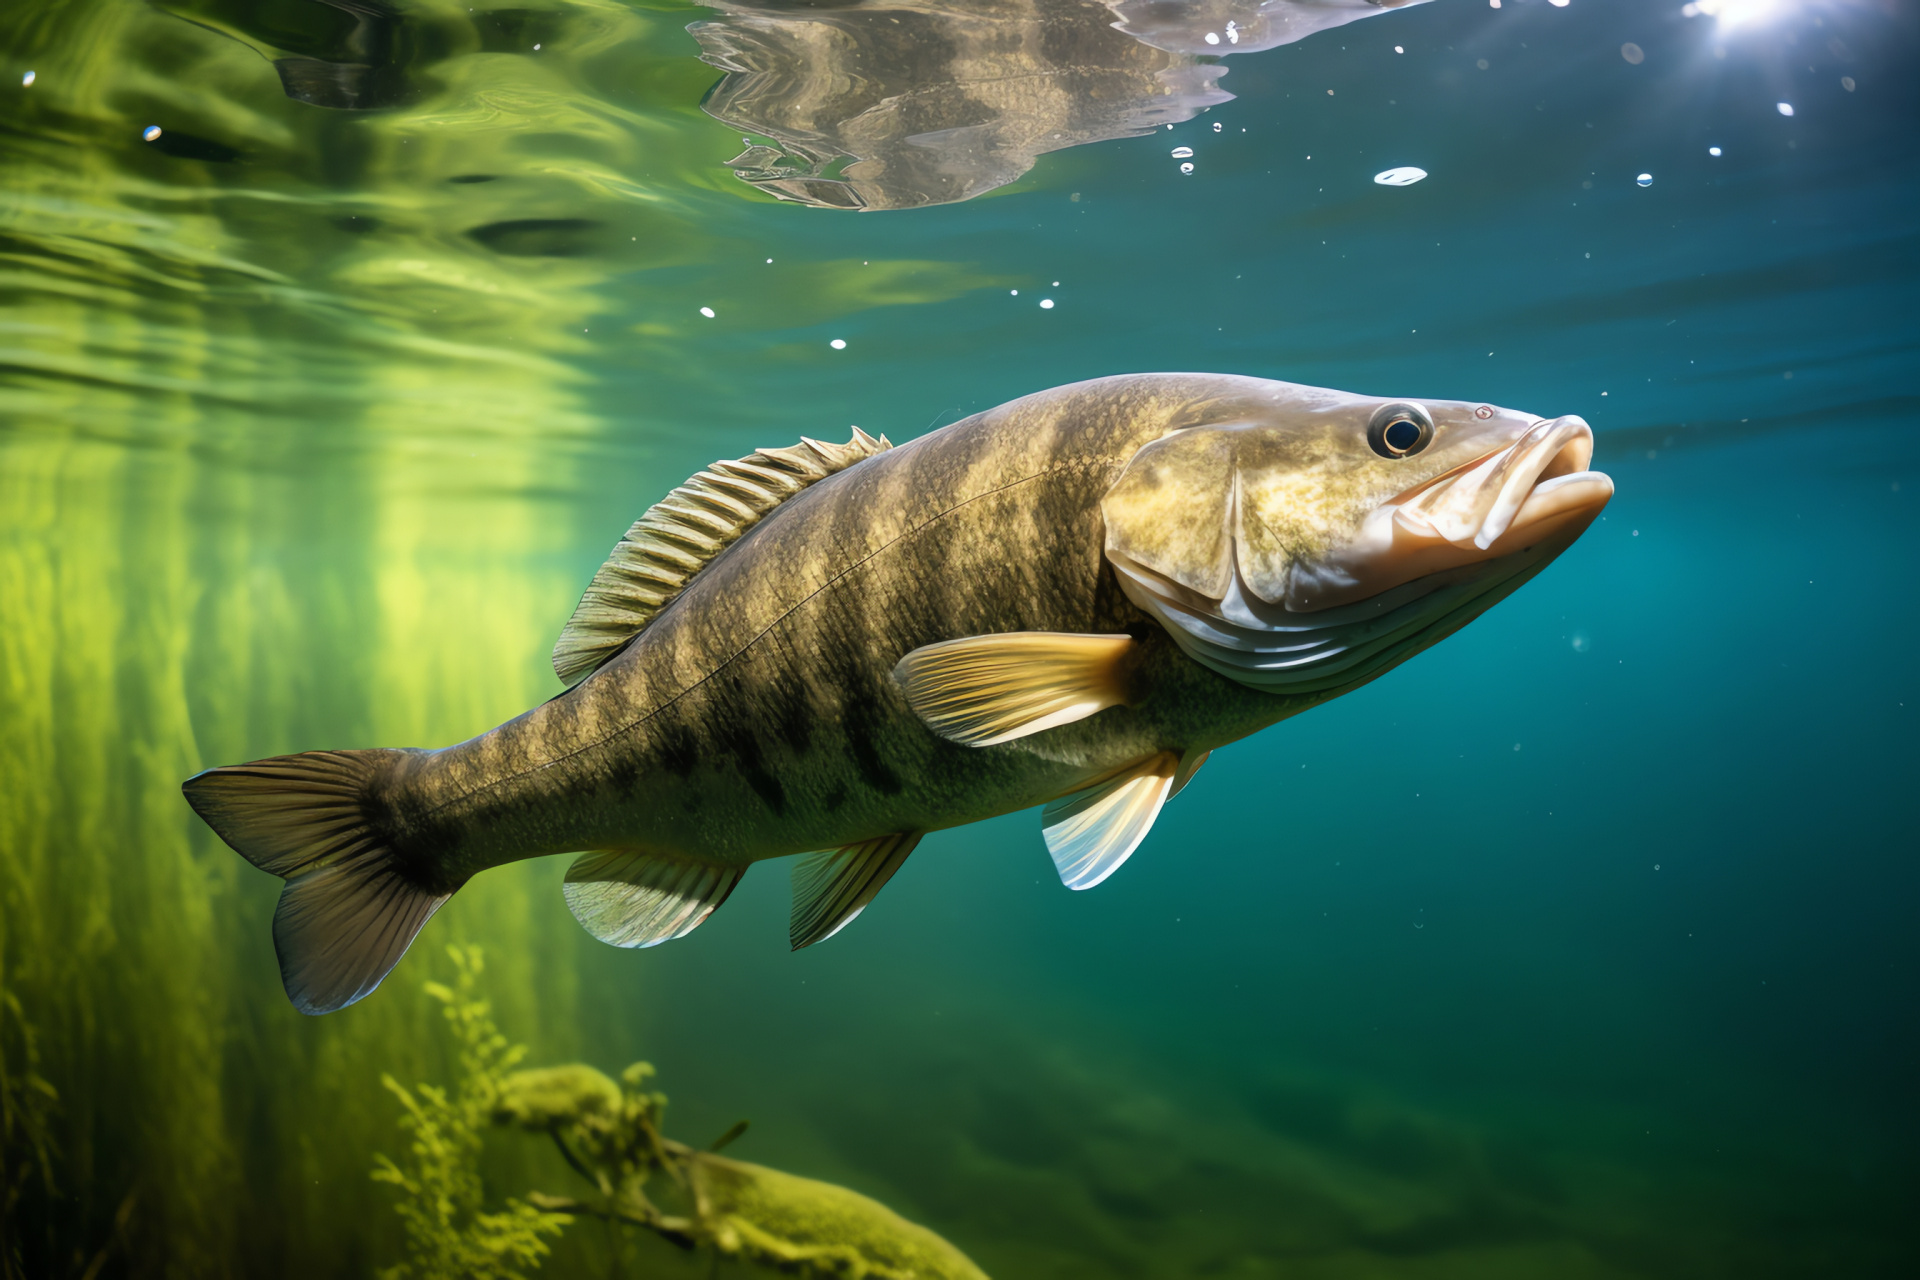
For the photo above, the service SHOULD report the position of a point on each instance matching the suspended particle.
(1633, 53)
(1846, 82)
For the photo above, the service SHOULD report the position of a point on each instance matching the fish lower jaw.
(1565, 502)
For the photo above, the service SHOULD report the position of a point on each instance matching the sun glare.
(1736, 13)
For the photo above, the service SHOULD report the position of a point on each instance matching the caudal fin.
(352, 905)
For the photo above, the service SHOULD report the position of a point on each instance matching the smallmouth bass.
(833, 650)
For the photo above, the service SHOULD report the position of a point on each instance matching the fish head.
(1331, 520)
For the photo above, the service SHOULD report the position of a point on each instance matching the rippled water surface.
(340, 339)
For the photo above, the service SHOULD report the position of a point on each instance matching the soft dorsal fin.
(682, 533)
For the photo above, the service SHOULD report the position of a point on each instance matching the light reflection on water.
(318, 408)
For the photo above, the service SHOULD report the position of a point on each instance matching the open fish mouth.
(1512, 496)
(1425, 564)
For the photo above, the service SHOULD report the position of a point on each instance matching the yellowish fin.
(985, 690)
(832, 887)
(633, 899)
(1090, 833)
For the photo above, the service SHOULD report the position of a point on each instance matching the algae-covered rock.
(785, 1221)
(544, 1097)
(608, 1131)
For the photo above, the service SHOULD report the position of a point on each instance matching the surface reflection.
(904, 103)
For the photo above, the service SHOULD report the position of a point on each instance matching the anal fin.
(1091, 832)
(833, 886)
(984, 690)
(634, 899)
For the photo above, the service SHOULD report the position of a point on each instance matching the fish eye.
(1400, 430)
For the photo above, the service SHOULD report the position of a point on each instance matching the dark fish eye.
(1399, 430)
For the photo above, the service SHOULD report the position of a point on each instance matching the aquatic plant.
(27, 1104)
(450, 1234)
(609, 1133)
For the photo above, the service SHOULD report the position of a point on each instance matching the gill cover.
(1273, 553)
(1204, 505)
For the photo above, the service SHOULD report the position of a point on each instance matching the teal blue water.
(1582, 945)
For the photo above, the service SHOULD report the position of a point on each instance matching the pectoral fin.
(830, 888)
(643, 899)
(1090, 833)
(990, 689)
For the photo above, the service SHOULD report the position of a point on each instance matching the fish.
(835, 650)
(901, 104)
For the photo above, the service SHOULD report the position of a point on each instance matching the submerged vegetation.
(609, 1134)
(449, 1232)
(27, 1104)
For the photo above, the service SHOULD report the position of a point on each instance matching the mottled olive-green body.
(757, 716)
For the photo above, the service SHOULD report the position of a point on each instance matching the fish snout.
(1505, 499)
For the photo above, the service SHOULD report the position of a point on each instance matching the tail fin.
(352, 905)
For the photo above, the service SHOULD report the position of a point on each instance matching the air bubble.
(1046, 304)
(149, 133)
(26, 82)
(707, 312)
(1404, 176)
(1713, 151)
(1645, 179)
(838, 344)
(1784, 108)
(1182, 153)
(1187, 167)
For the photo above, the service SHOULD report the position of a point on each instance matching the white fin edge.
(984, 690)
(1091, 833)
(629, 899)
(831, 887)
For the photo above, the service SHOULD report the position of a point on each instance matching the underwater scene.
(1479, 431)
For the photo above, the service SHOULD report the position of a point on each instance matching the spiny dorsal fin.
(682, 533)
